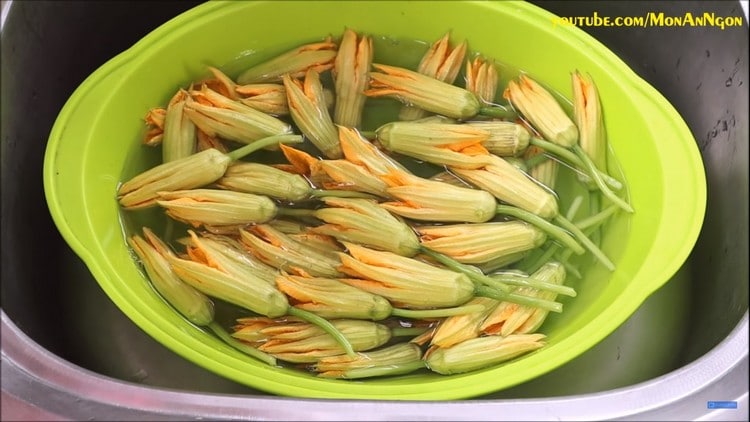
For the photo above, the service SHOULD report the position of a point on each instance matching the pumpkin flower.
(188, 301)
(481, 79)
(362, 221)
(283, 252)
(154, 126)
(268, 98)
(179, 137)
(509, 184)
(261, 179)
(480, 352)
(448, 144)
(361, 152)
(213, 207)
(405, 282)
(350, 75)
(482, 242)
(422, 91)
(587, 111)
(541, 109)
(332, 299)
(398, 359)
(440, 62)
(458, 328)
(424, 199)
(510, 318)
(296, 62)
(219, 116)
(297, 341)
(507, 139)
(308, 109)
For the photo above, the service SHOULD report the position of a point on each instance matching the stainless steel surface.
(69, 353)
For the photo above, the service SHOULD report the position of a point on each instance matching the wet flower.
(422, 91)
(215, 207)
(481, 79)
(455, 145)
(587, 111)
(481, 352)
(398, 359)
(350, 75)
(308, 109)
(456, 329)
(405, 282)
(541, 109)
(268, 98)
(423, 199)
(261, 179)
(507, 139)
(481, 242)
(296, 62)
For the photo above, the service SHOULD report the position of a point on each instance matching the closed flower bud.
(261, 179)
(440, 62)
(295, 62)
(308, 109)
(481, 79)
(361, 152)
(507, 139)
(217, 115)
(437, 143)
(587, 111)
(332, 298)
(541, 109)
(511, 185)
(398, 359)
(295, 341)
(481, 352)
(268, 98)
(284, 253)
(346, 175)
(214, 207)
(422, 91)
(423, 199)
(350, 75)
(482, 242)
(188, 301)
(179, 138)
(405, 282)
(363, 221)
(458, 328)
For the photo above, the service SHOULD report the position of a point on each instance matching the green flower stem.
(408, 331)
(388, 370)
(498, 112)
(263, 143)
(326, 326)
(591, 167)
(597, 219)
(436, 313)
(514, 280)
(320, 193)
(545, 257)
(567, 225)
(573, 160)
(536, 160)
(295, 212)
(242, 347)
(473, 273)
(552, 230)
(368, 134)
(595, 207)
(534, 302)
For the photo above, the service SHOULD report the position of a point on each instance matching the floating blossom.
(587, 111)
(217, 115)
(437, 143)
(423, 199)
(541, 109)
(308, 109)
(188, 301)
(318, 57)
(399, 359)
(507, 139)
(458, 328)
(295, 341)
(361, 152)
(422, 91)
(179, 131)
(511, 185)
(405, 282)
(350, 75)
(440, 62)
(363, 221)
(482, 242)
(285, 253)
(481, 79)
(213, 207)
(154, 126)
(268, 98)
(481, 352)
(332, 298)
(261, 179)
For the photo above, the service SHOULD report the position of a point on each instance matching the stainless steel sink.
(69, 353)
